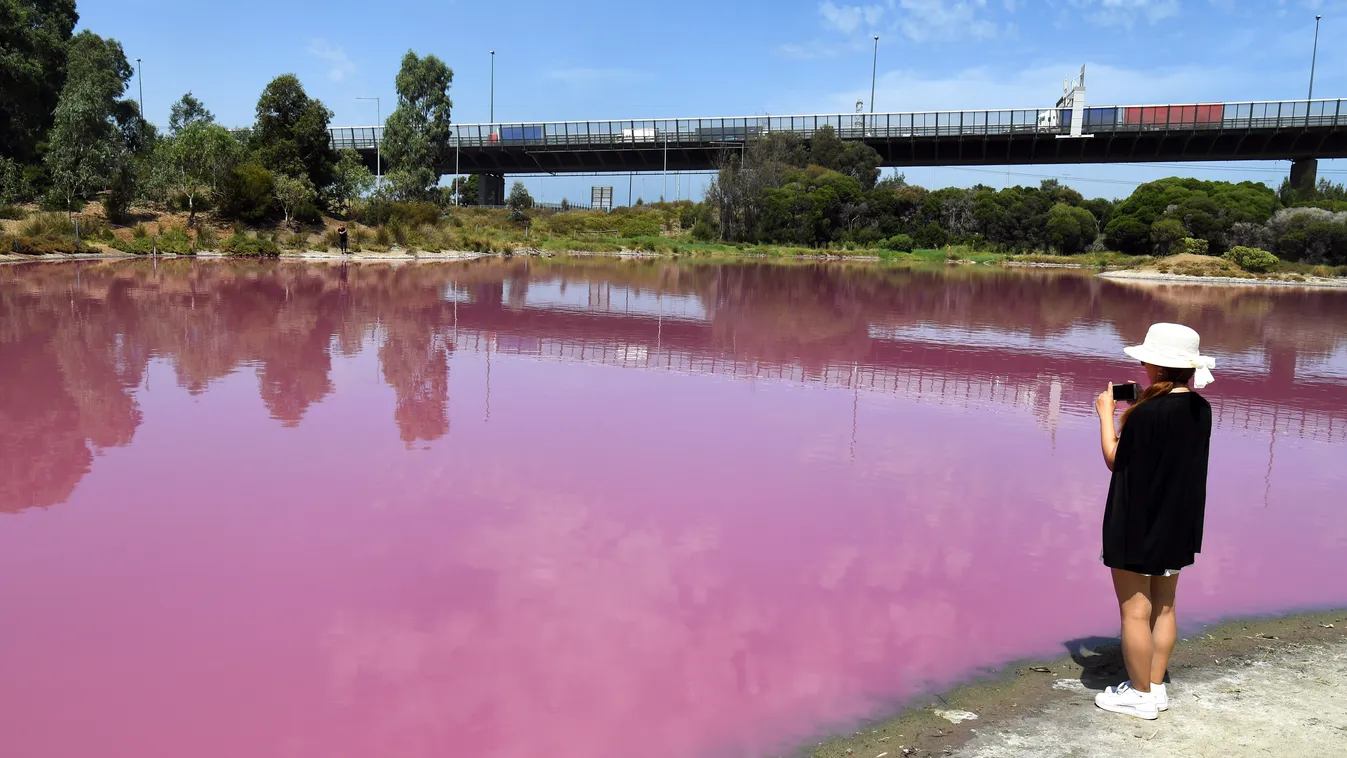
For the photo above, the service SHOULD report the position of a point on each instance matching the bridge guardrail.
(701, 132)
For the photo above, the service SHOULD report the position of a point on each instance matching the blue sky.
(604, 59)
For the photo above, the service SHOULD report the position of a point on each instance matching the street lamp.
(140, 84)
(1314, 56)
(874, 67)
(378, 143)
(493, 87)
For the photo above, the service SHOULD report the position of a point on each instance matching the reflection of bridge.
(1045, 385)
(1220, 131)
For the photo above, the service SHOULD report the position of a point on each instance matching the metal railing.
(703, 132)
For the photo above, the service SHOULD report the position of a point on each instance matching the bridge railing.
(703, 132)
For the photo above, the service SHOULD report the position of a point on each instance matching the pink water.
(577, 509)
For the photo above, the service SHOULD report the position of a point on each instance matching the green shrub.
(382, 237)
(175, 242)
(900, 242)
(13, 212)
(1192, 245)
(1252, 259)
(249, 191)
(139, 231)
(379, 212)
(205, 238)
(44, 244)
(240, 244)
(48, 225)
(642, 225)
(703, 231)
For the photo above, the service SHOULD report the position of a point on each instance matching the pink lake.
(573, 509)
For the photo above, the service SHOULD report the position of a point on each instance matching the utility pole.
(140, 82)
(493, 88)
(1313, 57)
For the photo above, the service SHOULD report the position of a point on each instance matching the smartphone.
(1128, 392)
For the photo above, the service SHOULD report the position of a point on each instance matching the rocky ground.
(1269, 687)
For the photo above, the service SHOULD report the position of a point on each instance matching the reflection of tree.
(416, 365)
(76, 339)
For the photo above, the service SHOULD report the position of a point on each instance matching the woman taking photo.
(1156, 502)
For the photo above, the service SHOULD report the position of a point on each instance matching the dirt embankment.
(1250, 688)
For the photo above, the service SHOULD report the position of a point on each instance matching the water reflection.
(682, 509)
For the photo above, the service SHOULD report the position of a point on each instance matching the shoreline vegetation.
(1011, 703)
(469, 232)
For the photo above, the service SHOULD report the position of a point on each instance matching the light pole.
(458, 178)
(1314, 56)
(140, 84)
(493, 88)
(874, 68)
(378, 143)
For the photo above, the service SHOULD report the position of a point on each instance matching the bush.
(139, 231)
(703, 231)
(205, 238)
(1191, 245)
(175, 242)
(900, 242)
(381, 237)
(240, 244)
(45, 244)
(48, 224)
(249, 192)
(13, 212)
(931, 236)
(379, 212)
(1252, 259)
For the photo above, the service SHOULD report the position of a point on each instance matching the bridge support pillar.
(491, 189)
(1304, 173)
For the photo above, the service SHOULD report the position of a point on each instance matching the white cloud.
(1124, 13)
(930, 20)
(847, 18)
(1039, 86)
(583, 75)
(339, 66)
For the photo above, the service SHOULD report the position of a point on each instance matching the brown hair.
(1169, 379)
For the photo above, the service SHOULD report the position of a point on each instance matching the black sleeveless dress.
(1158, 495)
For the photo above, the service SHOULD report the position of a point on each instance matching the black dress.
(1158, 496)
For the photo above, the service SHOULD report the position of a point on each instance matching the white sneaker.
(1161, 697)
(1124, 699)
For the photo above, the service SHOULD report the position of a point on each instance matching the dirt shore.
(1245, 688)
(1156, 276)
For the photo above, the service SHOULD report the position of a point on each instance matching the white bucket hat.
(1174, 346)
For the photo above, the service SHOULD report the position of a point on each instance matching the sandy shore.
(1249, 688)
(1156, 276)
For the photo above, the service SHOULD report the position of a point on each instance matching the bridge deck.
(1134, 133)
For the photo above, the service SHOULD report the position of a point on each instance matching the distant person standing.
(341, 238)
(1156, 506)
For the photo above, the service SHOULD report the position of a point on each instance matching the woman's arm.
(1106, 407)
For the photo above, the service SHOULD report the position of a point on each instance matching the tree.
(196, 162)
(351, 178)
(85, 147)
(249, 191)
(293, 193)
(34, 37)
(417, 134)
(1164, 233)
(187, 111)
(291, 136)
(1070, 229)
(464, 189)
(855, 159)
(519, 202)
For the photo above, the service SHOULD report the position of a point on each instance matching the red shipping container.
(1175, 115)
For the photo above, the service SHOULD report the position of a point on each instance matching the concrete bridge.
(1296, 130)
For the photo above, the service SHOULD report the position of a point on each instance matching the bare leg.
(1164, 625)
(1134, 606)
